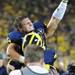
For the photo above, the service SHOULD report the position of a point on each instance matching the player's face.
(27, 25)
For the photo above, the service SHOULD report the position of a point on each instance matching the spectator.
(35, 64)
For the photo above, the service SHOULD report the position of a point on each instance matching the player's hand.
(10, 67)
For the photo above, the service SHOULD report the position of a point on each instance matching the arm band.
(21, 59)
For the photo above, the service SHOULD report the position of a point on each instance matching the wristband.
(21, 59)
(60, 11)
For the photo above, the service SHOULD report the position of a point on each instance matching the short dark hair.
(34, 53)
(18, 20)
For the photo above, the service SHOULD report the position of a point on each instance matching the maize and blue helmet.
(33, 38)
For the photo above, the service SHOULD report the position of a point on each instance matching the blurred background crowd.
(64, 38)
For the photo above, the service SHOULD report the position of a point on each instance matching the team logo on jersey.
(36, 40)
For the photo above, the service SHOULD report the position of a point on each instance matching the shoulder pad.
(15, 35)
(39, 27)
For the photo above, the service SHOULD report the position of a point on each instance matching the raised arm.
(56, 18)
